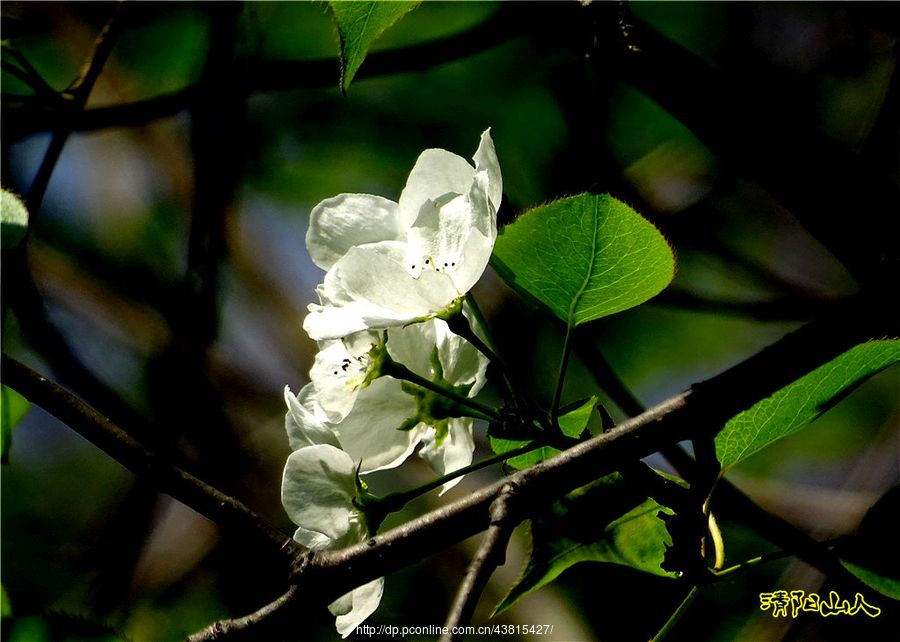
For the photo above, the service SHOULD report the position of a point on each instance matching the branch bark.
(490, 555)
(699, 412)
(118, 444)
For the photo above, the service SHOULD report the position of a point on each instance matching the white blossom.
(388, 264)
(318, 491)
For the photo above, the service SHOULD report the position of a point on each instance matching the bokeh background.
(169, 276)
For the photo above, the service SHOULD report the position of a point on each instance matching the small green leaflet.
(606, 521)
(359, 24)
(797, 404)
(14, 219)
(13, 407)
(584, 257)
(571, 423)
(871, 553)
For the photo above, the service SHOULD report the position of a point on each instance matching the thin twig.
(677, 615)
(80, 90)
(217, 506)
(234, 628)
(490, 555)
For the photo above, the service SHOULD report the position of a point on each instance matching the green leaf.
(871, 553)
(572, 424)
(13, 218)
(606, 521)
(584, 257)
(13, 407)
(359, 24)
(797, 404)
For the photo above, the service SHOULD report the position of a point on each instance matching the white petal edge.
(363, 601)
(346, 220)
(317, 489)
(453, 453)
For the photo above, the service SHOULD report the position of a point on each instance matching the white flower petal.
(339, 223)
(412, 346)
(354, 607)
(436, 173)
(369, 290)
(461, 361)
(371, 432)
(486, 160)
(338, 372)
(312, 540)
(318, 488)
(453, 453)
(304, 421)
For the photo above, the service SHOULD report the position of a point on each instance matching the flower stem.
(476, 409)
(676, 616)
(395, 501)
(561, 377)
(753, 561)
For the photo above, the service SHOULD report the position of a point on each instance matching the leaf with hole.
(607, 521)
(797, 404)
(359, 24)
(584, 257)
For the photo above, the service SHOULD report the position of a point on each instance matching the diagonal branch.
(490, 555)
(217, 506)
(699, 412)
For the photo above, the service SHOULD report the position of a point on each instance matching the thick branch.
(728, 499)
(490, 555)
(217, 506)
(700, 412)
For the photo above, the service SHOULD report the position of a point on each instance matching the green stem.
(460, 325)
(395, 501)
(477, 410)
(680, 611)
(561, 377)
(753, 561)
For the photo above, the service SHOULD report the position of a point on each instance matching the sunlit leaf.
(608, 521)
(797, 404)
(14, 219)
(359, 24)
(572, 424)
(871, 554)
(13, 407)
(584, 257)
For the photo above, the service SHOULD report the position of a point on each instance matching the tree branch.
(728, 499)
(240, 627)
(275, 75)
(702, 411)
(490, 555)
(217, 506)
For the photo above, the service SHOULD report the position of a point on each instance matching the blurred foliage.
(89, 553)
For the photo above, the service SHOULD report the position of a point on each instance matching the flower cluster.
(389, 373)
